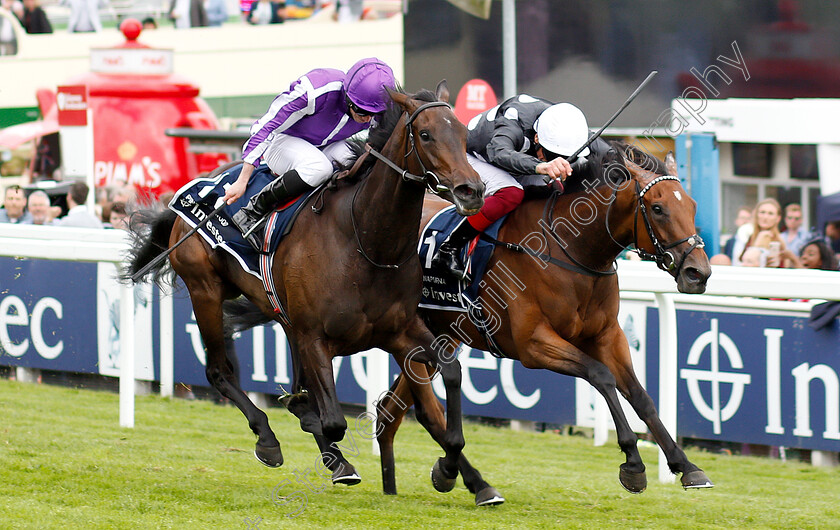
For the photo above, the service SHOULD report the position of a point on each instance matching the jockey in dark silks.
(515, 143)
(301, 137)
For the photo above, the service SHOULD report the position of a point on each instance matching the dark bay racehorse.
(557, 306)
(348, 277)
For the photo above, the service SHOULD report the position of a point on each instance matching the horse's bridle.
(663, 256)
(426, 179)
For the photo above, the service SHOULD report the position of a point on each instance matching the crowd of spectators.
(764, 237)
(85, 15)
(70, 209)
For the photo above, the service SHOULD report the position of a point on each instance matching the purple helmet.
(365, 82)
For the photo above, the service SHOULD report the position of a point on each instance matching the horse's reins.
(426, 178)
(663, 258)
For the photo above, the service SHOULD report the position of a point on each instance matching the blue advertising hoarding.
(743, 376)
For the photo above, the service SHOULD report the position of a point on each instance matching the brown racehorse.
(565, 320)
(348, 276)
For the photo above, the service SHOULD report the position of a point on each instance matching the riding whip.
(149, 266)
(600, 131)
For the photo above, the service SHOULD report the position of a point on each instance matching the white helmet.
(562, 129)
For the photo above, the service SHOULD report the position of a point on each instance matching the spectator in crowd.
(752, 257)
(832, 235)
(40, 209)
(720, 259)
(245, 9)
(217, 13)
(14, 6)
(764, 225)
(348, 10)
(794, 235)
(34, 18)
(8, 41)
(118, 217)
(84, 15)
(78, 214)
(743, 217)
(14, 207)
(816, 254)
(267, 12)
(188, 13)
(149, 23)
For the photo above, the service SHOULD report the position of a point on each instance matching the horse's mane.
(606, 165)
(379, 134)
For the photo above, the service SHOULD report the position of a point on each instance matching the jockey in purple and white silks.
(302, 135)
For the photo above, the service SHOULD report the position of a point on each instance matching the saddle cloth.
(440, 291)
(197, 199)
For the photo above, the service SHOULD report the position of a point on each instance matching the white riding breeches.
(494, 178)
(314, 164)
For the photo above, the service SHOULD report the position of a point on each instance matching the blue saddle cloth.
(440, 291)
(198, 198)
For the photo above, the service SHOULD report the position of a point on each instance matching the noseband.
(663, 256)
(428, 178)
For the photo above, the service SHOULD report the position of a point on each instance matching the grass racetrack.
(66, 463)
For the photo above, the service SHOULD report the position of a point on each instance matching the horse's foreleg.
(548, 350)
(315, 358)
(417, 344)
(221, 372)
(621, 365)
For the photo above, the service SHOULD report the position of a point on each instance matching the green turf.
(65, 463)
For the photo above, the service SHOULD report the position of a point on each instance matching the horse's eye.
(657, 209)
(425, 136)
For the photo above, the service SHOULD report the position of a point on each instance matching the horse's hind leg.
(617, 354)
(391, 410)
(207, 299)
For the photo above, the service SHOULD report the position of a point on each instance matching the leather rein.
(427, 178)
(662, 255)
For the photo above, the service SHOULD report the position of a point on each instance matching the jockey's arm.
(236, 190)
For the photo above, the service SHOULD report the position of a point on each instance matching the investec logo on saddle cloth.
(440, 291)
(196, 200)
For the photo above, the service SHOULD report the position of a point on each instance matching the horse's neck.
(593, 227)
(388, 208)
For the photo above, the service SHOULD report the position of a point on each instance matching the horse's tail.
(150, 231)
(241, 314)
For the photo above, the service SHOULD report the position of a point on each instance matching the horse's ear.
(442, 91)
(638, 172)
(671, 164)
(401, 99)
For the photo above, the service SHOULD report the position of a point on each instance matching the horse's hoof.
(348, 477)
(489, 496)
(696, 480)
(269, 456)
(440, 481)
(634, 482)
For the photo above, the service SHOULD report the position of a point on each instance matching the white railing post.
(377, 384)
(126, 355)
(167, 355)
(602, 423)
(667, 375)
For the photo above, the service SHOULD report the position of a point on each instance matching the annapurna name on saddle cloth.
(440, 290)
(196, 200)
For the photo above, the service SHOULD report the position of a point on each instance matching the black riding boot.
(448, 256)
(251, 216)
